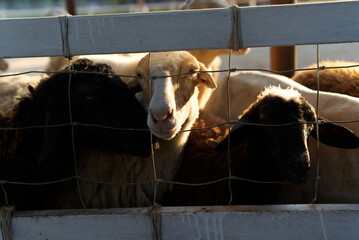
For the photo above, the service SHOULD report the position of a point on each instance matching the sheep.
(335, 162)
(338, 80)
(258, 153)
(46, 154)
(172, 106)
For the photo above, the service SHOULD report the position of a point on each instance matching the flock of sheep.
(83, 137)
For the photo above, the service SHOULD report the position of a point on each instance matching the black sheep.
(43, 154)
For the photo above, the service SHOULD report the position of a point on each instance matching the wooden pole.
(285, 57)
(71, 7)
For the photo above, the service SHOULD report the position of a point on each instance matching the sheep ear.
(206, 77)
(336, 136)
(51, 134)
(134, 85)
(238, 133)
(31, 89)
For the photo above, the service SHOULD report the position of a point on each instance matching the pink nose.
(161, 116)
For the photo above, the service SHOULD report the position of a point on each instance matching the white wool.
(288, 93)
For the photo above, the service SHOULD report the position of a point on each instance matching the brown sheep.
(258, 153)
(338, 80)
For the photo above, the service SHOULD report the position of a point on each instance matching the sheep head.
(287, 143)
(99, 102)
(171, 94)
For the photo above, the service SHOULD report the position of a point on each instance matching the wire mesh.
(229, 122)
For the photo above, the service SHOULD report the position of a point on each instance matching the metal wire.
(317, 131)
(156, 180)
(229, 129)
(5, 195)
(231, 122)
(73, 140)
(181, 74)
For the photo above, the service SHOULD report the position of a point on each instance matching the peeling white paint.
(197, 227)
(323, 225)
(213, 225)
(189, 220)
(90, 31)
(206, 220)
(98, 26)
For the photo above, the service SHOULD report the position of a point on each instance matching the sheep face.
(171, 96)
(288, 144)
(285, 146)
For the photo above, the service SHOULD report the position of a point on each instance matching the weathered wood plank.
(182, 30)
(300, 24)
(116, 33)
(333, 221)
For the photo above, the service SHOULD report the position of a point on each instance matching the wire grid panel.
(155, 180)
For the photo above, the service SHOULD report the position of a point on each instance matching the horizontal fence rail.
(229, 222)
(233, 27)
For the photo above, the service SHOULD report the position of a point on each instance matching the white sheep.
(334, 162)
(339, 80)
(171, 100)
(172, 107)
